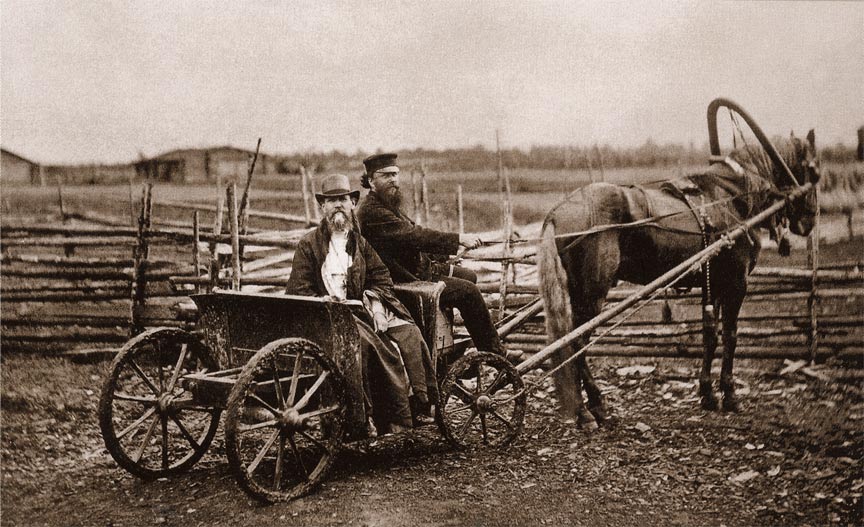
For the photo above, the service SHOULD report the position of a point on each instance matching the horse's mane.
(753, 158)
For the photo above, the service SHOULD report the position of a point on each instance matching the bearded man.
(335, 261)
(406, 247)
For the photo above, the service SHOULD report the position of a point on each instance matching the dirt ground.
(792, 456)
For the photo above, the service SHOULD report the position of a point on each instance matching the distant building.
(202, 165)
(17, 169)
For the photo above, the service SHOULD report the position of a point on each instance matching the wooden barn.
(201, 165)
(17, 169)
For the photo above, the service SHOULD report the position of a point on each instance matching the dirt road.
(793, 456)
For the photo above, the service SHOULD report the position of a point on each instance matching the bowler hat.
(336, 185)
(380, 163)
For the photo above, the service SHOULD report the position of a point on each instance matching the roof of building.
(22, 158)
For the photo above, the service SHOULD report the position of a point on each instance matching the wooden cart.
(286, 371)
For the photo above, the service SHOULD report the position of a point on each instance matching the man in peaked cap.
(335, 261)
(405, 248)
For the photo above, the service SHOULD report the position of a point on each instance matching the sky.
(111, 81)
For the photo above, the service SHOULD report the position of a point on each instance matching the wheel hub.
(291, 420)
(484, 403)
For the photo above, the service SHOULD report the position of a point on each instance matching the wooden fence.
(83, 282)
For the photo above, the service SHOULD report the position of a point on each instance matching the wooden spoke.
(498, 416)
(147, 437)
(263, 452)
(467, 423)
(315, 442)
(478, 389)
(320, 411)
(185, 433)
(297, 456)
(178, 367)
(483, 428)
(144, 377)
(136, 398)
(137, 423)
(314, 388)
(295, 377)
(164, 442)
(494, 386)
(280, 454)
(463, 390)
(263, 403)
(161, 378)
(459, 409)
(278, 383)
(256, 426)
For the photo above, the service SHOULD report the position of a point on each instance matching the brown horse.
(578, 269)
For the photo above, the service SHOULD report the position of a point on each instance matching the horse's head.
(800, 156)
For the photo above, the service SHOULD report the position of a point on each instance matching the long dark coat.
(367, 271)
(403, 246)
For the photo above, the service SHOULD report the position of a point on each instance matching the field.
(794, 455)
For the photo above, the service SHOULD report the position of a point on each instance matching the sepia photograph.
(431, 263)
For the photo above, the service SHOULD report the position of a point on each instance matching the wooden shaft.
(459, 209)
(813, 299)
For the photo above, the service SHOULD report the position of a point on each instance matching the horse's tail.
(553, 286)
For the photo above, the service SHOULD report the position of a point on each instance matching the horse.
(679, 219)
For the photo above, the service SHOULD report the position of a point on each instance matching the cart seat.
(435, 323)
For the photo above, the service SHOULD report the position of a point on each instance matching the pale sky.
(103, 81)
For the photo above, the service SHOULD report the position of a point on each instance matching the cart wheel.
(282, 436)
(481, 401)
(150, 424)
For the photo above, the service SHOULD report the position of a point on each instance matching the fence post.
(813, 298)
(140, 254)
(196, 257)
(415, 193)
(311, 179)
(424, 194)
(304, 187)
(217, 230)
(235, 238)
(459, 210)
(506, 228)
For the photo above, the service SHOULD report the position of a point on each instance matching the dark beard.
(392, 198)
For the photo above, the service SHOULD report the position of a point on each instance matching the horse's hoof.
(709, 402)
(730, 404)
(587, 423)
(599, 414)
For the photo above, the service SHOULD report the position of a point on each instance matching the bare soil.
(792, 456)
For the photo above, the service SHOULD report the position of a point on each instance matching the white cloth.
(335, 268)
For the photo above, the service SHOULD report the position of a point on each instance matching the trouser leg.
(466, 297)
(417, 359)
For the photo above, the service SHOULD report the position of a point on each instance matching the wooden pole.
(196, 257)
(131, 203)
(304, 187)
(60, 198)
(139, 255)
(813, 299)
(415, 198)
(214, 249)
(244, 201)
(312, 190)
(459, 210)
(235, 240)
(506, 227)
(424, 196)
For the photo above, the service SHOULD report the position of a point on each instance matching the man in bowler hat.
(335, 261)
(406, 248)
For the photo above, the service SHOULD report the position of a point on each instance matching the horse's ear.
(791, 134)
(811, 138)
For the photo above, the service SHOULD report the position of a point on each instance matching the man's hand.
(470, 241)
(380, 322)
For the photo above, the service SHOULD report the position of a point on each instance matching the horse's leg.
(731, 307)
(599, 271)
(709, 342)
